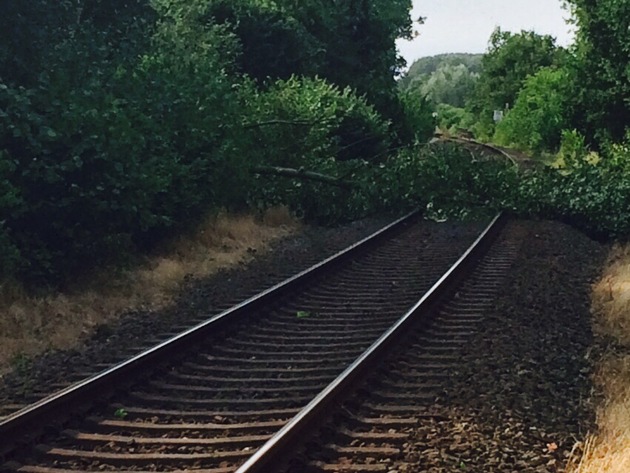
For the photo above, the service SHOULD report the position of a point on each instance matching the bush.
(539, 114)
(446, 180)
(274, 45)
(304, 121)
(123, 122)
(122, 158)
(11, 206)
(453, 118)
(417, 116)
(313, 125)
(592, 194)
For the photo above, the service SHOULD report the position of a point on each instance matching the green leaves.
(540, 113)
(510, 59)
(444, 79)
(107, 154)
(120, 413)
(592, 194)
(601, 68)
(274, 45)
(314, 125)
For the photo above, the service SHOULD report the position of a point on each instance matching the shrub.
(122, 157)
(539, 114)
(304, 121)
(572, 148)
(274, 44)
(446, 180)
(593, 195)
(312, 125)
(452, 118)
(417, 116)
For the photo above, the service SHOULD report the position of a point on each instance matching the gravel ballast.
(519, 400)
(110, 343)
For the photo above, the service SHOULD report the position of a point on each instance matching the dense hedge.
(124, 123)
(117, 163)
(312, 125)
(536, 121)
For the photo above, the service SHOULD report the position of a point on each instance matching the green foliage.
(592, 196)
(36, 35)
(426, 66)
(448, 84)
(120, 413)
(601, 66)
(123, 122)
(510, 59)
(451, 85)
(311, 124)
(591, 97)
(25, 29)
(274, 44)
(442, 83)
(453, 118)
(122, 158)
(10, 258)
(417, 116)
(448, 182)
(445, 180)
(572, 148)
(304, 121)
(358, 44)
(539, 114)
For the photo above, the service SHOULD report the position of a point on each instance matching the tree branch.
(303, 174)
(286, 122)
(496, 150)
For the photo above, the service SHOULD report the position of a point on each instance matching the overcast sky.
(464, 26)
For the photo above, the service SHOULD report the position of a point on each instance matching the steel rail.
(22, 426)
(275, 450)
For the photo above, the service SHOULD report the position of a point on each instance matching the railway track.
(404, 399)
(213, 396)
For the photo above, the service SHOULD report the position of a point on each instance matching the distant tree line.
(569, 108)
(443, 79)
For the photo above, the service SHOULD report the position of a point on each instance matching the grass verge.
(608, 450)
(31, 325)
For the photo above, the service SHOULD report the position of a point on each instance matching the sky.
(464, 26)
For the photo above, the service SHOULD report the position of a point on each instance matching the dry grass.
(608, 451)
(611, 297)
(30, 325)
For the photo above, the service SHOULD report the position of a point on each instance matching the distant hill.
(428, 65)
(443, 79)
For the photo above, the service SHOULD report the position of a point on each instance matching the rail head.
(284, 442)
(22, 426)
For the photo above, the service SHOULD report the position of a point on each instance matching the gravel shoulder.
(520, 401)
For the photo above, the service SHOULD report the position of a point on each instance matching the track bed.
(216, 402)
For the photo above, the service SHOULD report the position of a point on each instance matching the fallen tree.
(304, 174)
